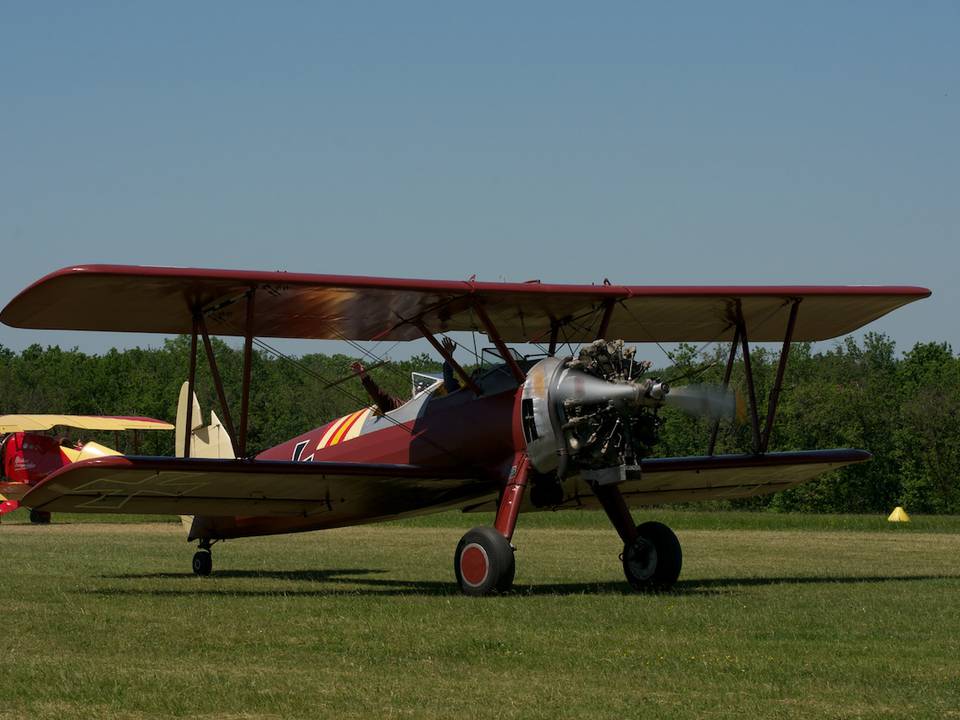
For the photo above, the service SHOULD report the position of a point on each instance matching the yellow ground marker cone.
(898, 515)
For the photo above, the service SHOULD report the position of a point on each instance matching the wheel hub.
(474, 564)
(641, 558)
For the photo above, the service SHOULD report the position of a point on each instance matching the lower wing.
(716, 477)
(343, 493)
(726, 477)
(340, 492)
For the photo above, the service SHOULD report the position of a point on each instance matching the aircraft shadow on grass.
(359, 581)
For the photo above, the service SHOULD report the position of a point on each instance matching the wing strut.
(554, 336)
(726, 383)
(761, 437)
(218, 383)
(605, 320)
(778, 382)
(191, 384)
(748, 372)
(199, 329)
(498, 341)
(247, 361)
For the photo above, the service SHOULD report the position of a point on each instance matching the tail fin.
(206, 441)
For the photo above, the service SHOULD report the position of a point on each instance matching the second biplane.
(28, 454)
(523, 434)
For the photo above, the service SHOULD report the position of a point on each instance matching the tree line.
(904, 409)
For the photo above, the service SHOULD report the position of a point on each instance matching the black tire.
(202, 563)
(39, 517)
(484, 563)
(653, 562)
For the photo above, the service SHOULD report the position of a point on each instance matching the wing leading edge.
(299, 305)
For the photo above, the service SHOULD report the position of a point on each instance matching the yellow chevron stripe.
(334, 426)
(357, 426)
(345, 426)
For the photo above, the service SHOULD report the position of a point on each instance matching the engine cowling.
(591, 412)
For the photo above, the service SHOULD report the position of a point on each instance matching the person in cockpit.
(450, 382)
(386, 402)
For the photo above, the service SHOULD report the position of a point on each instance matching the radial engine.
(593, 412)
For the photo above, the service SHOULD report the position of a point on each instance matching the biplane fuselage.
(454, 430)
(426, 432)
(547, 433)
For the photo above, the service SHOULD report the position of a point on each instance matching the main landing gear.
(203, 559)
(484, 562)
(651, 552)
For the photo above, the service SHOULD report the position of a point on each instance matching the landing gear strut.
(203, 559)
(484, 562)
(651, 552)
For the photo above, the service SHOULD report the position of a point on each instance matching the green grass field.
(775, 616)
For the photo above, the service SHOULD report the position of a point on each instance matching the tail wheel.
(202, 563)
(652, 562)
(484, 562)
(39, 517)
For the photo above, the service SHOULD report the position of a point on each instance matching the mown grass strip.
(107, 621)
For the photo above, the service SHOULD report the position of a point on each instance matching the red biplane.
(28, 455)
(522, 434)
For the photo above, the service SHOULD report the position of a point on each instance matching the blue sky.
(644, 143)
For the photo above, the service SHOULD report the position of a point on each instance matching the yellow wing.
(26, 423)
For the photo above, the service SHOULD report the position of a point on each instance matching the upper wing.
(339, 492)
(163, 300)
(26, 423)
